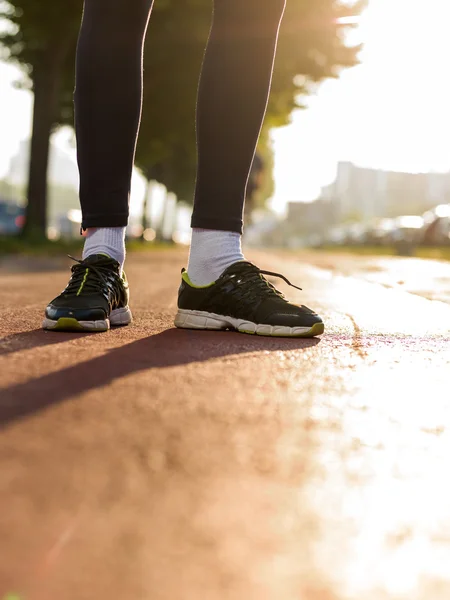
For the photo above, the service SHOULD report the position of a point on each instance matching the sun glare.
(390, 112)
(405, 58)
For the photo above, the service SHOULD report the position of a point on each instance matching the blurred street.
(427, 278)
(151, 463)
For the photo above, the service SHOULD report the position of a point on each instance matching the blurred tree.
(174, 50)
(172, 60)
(261, 184)
(312, 47)
(41, 38)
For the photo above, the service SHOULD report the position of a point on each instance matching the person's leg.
(108, 99)
(232, 101)
(221, 290)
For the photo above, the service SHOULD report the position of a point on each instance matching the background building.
(360, 194)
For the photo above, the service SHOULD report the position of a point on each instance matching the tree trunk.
(162, 222)
(146, 221)
(174, 220)
(46, 80)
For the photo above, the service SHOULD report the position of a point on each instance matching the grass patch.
(138, 246)
(22, 246)
(439, 253)
(18, 245)
(361, 250)
(436, 253)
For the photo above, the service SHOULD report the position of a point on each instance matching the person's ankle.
(212, 251)
(105, 240)
(89, 231)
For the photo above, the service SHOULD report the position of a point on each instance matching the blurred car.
(12, 218)
(437, 226)
(437, 233)
(355, 234)
(407, 227)
(65, 225)
(380, 232)
(438, 212)
(407, 234)
(335, 236)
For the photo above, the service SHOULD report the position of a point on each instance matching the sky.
(391, 111)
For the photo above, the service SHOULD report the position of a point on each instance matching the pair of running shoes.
(242, 299)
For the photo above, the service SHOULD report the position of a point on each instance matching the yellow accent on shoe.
(186, 279)
(83, 282)
(316, 329)
(71, 324)
(68, 324)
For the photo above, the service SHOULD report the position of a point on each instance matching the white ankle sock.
(211, 253)
(106, 240)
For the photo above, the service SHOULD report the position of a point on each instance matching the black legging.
(233, 93)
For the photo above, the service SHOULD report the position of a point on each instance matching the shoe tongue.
(237, 266)
(99, 258)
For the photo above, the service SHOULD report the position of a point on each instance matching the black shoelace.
(280, 276)
(255, 285)
(89, 278)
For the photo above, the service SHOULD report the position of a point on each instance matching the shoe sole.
(196, 319)
(119, 317)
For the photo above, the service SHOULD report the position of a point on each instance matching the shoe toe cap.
(294, 316)
(55, 312)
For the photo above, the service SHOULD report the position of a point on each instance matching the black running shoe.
(95, 298)
(243, 300)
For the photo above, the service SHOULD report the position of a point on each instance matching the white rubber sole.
(119, 317)
(197, 319)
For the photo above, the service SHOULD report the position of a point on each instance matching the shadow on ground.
(25, 340)
(170, 348)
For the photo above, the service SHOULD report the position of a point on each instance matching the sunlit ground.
(381, 489)
(423, 277)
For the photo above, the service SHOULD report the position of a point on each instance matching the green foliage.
(41, 33)
(172, 61)
(311, 48)
(42, 40)
(266, 186)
